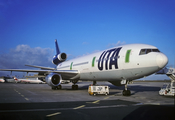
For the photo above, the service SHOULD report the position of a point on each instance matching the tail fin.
(57, 48)
(59, 57)
(15, 79)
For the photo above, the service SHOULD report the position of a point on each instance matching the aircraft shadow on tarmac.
(135, 89)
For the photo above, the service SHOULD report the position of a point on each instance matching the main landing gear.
(126, 92)
(74, 87)
(59, 87)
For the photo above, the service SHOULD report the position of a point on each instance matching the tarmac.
(40, 102)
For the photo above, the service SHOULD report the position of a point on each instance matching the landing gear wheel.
(126, 93)
(74, 87)
(53, 88)
(59, 87)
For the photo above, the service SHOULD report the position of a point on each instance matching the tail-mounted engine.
(59, 57)
(53, 79)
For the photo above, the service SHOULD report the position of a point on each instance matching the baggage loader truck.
(98, 89)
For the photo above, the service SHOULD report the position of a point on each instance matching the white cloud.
(115, 44)
(85, 43)
(24, 54)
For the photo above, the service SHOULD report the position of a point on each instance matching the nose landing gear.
(126, 92)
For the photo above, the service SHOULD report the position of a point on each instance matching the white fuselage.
(125, 62)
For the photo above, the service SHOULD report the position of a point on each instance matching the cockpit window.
(146, 51)
(142, 52)
(155, 50)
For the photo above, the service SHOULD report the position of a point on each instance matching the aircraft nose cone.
(161, 60)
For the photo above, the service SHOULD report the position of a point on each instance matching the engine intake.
(53, 79)
(59, 58)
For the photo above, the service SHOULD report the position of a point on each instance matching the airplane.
(2, 80)
(9, 79)
(119, 65)
(28, 81)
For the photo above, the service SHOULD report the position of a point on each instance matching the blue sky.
(28, 28)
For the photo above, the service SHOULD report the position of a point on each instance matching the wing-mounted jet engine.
(54, 80)
(59, 57)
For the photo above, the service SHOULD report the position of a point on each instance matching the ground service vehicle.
(98, 89)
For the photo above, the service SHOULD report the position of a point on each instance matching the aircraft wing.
(66, 74)
(44, 68)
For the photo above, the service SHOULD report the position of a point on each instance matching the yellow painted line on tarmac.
(96, 101)
(21, 94)
(79, 107)
(26, 98)
(106, 97)
(53, 114)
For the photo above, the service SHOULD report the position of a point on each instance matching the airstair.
(170, 72)
(171, 76)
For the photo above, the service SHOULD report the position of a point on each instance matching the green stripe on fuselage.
(93, 61)
(71, 65)
(127, 56)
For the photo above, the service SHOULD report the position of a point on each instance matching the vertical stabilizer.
(57, 48)
(59, 57)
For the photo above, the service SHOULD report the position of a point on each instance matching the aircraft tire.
(54, 88)
(74, 87)
(126, 93)
(59, 87)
